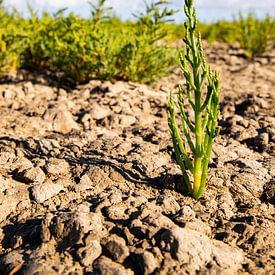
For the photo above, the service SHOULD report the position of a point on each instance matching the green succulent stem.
(202, 92)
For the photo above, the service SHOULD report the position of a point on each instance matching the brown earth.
(89, 184)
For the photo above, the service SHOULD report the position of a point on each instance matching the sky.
(208, 10)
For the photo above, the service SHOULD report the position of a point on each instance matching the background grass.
(103, 47)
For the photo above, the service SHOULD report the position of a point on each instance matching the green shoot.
(201, 131)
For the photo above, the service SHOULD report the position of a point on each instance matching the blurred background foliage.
(104, 47)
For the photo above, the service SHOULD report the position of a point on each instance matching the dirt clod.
(89, 182)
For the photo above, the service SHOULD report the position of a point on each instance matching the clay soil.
(89, 183)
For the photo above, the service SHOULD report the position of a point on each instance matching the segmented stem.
(204, 105)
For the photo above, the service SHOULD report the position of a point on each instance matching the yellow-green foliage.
(254, 35)
(10, 41)
(220, 31)
(82, 49)
(143, 56)
(104, 47)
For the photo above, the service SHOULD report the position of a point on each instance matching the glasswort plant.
(200, 132)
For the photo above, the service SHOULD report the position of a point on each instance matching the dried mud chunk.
(260, 142)
(154, 161)
(57, 167)
(4, 184)
(6, 158)
(97, 112)
(39, 268)
(9, 203)
(34, 174)
(137, 200)
(62, 121)
(117, 249)
(43, 192)
(116, 176)
(261, 241)
(88, 254)
(20, 164)
(226, 206)
(138, 229)
(198, 225)
(148, 209)
(84, 184)
(147, 262)
(185, 214)
(123, 148)
(247, 184)
(118, 211)
(10, 261)
(107, 267)
(126, 120)
(98, 176)
(159, 221)
(70, 228)
(85, 180)
(197, 250)
(224, 154)
(168, 204)
(146, 120)
(269, 192)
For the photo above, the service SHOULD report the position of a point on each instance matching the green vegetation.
(203, 129)
(103, 47)
(100, 47)
(254, 35)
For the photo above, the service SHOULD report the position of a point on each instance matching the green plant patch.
(202, 92)
(103, 47)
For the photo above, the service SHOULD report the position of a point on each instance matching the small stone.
(88, 254)
(115, 197)
(28, 87)
(85, 180)
(20, 164)
(12, 200)
(8, 94)
(117, 248)
(34, 174)
(107, 267)
(4, 185)
(147, 262)
(57, 168)
(99, 112)
(263, 103)
(199, 226)
(196, 250)
(117, 211)
(138, 229)
(126, 120)
(43, 192)
(263, 139)
(159, 221)
(62, 120)
(168, 204)
(71, 228)
(10, 261)
(185, 214)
